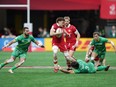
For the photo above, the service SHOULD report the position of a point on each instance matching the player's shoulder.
(31, 36)
(72, 27)
(103, 38)
(19, 37)
(55, 25)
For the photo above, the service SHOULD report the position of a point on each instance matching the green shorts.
(100, 54)
(18, 53)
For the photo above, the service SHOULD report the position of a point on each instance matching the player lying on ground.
(80, 66)
(21, 49)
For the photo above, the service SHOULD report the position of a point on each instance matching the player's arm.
(88, 52)
(53, 33)
(66, 33)
(78, 37)
(65, 71)
(112, 43)
(38, 44)
(10, 43)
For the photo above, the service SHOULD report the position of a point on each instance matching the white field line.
(43, 67)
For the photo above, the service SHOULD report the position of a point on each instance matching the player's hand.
(59, 67)
(87, 59)
(42, 46)
(76, 44)
(5, 47)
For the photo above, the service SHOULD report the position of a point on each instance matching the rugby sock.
(99, 68)
(14, 67)
(55, 62)
(2, 65)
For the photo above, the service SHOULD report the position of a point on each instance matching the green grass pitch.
(45, 77)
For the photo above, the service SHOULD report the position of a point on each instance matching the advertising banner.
(108, 9)
(82, 46)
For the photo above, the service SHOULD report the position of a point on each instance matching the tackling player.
(72, 37)
(21, 49)
(83, 67)
(58, 42)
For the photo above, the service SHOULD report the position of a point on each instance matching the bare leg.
(22, 60)
(7, 61)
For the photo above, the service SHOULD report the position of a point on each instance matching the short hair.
(67, 17)
(96, 33)
(75, 65)
(25, 28)
(59, 19)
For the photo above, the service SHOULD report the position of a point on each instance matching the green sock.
(14, 67)
(2, 65)
(99, 68)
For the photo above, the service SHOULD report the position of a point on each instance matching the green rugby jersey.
(24, 42)
(99, 45)
(85, 67)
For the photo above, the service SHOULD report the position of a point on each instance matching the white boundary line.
(44, 67)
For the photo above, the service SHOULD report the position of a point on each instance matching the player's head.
(75, 65)
(60, 21)
(67, 20)
(96, 35)
(26, 31)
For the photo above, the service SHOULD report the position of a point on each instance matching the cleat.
(107, 68)
(10, 71)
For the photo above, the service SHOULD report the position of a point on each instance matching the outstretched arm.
(10, 43)
(78, 37)
(39, 44)
(112, 43)
(65, 71)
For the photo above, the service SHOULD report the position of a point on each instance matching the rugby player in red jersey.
(58, 42)
(72, 37)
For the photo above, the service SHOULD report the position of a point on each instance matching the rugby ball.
(59, 30)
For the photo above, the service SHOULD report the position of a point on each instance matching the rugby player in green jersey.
(99, 49)
(21, 49)
(81, 66)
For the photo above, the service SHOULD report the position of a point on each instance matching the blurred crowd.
(7, 33)
(43, 33)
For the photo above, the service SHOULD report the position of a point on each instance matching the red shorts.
(61, 46)
(70, 46)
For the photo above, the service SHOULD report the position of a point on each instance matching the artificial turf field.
(43, 76)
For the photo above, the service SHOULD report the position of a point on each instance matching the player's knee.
(66, 54)
(20, 63)
(55, 49)
(10, 60)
